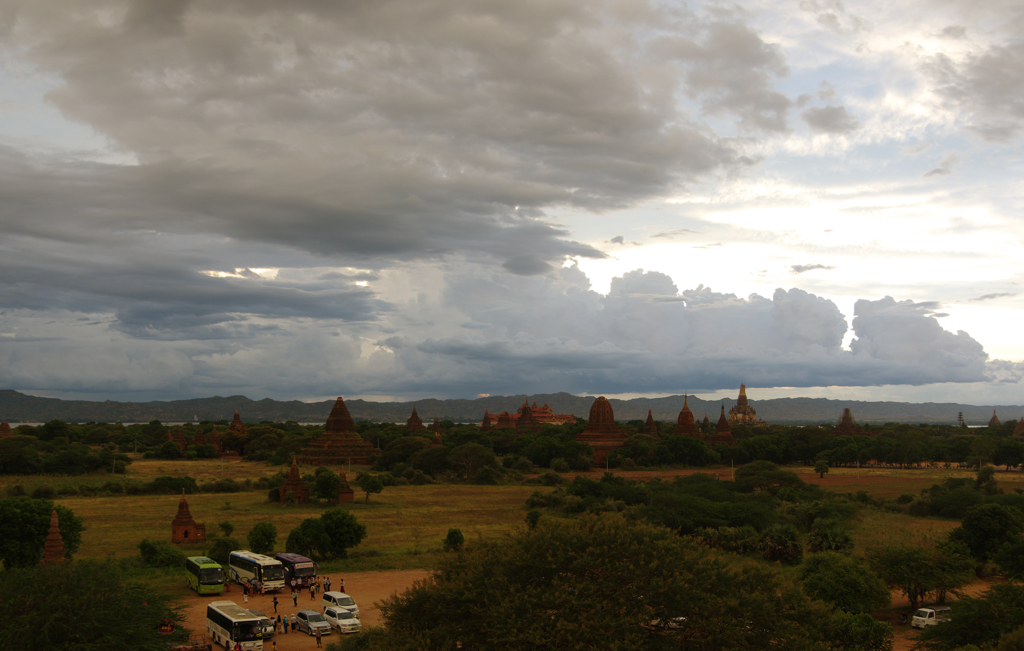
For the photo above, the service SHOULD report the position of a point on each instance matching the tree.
(844, 582)
(262, 537)
(454, 540)
(987, 527)
(821, 467)
(345, 532)
(370, 484)
(160, 553)
(221, 549)
(829, 536)
(309, 539)
(599, 582)
(226, 527)
(327, 484)
(24, 523)
(781, 542)
(82, 605)
(1008, 452)
(328, 536)
(917, 572)
(766, 476)
(980, 620)
(1010, 559)
(471, 457)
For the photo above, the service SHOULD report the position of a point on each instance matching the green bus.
(204, 575)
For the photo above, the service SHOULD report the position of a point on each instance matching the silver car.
(310, 620)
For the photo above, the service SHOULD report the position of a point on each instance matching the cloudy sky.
(404, 199)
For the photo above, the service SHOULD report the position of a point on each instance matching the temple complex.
(414, 424)
(1019, 429)
(437, 442)
(339, 443)
(601, 433)
(994, 421)
(504, 421)
(214, 440)
(294, 486)
(53, 549)
(650, 427)
(5, 430)
(183, 528)
(848, 426)
(743, 413)
(237, 426)
(723, 433)
(525, 419)
(177, 438)
(542, 415)
(685, 425)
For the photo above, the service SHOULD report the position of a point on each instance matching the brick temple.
(5, 430)
(534, 417)
(184, 529)
(685, 424)
(414, 424)
(650, 427)
(601, 433)
(743, 413)
(848, 426)
(293, 486)
(339, 444)
(237, 426)
(723, 433)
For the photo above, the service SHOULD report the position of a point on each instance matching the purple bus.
(297, 567)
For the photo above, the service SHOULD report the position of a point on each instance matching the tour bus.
(302, 569)
(204, 575)
(228, 624)
(248, 566)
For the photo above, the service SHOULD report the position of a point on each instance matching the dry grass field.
(406, 524)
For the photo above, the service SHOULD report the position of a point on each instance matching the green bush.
(160, 554)
(560, 465)
(454, 541)
(44, 492)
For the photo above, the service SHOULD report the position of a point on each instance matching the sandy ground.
(906, 635)
(366, 588)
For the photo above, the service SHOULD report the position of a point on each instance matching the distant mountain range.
(17, 407)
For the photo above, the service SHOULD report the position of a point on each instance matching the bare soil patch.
(366, 588)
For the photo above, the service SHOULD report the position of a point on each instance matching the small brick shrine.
(53, 550)
(184, 529)
(294, 486)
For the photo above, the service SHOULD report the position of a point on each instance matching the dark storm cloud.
(398, 130)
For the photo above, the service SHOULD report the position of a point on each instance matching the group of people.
(252, 587)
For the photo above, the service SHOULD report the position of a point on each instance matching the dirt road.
(366, 588)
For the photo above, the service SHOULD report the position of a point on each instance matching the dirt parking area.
(366, 588)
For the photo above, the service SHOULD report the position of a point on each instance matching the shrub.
(560, 465)
(523, 465)
(487, 475)
(532, 518)
(905, 498)
(65, 491)
(15, 490)
(781, 542)
(160, 554)
(44, 492)
(551, 479)
(454, 540)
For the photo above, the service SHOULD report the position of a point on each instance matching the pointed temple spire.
(994, 421)
(650, 427)
(601, 433)
(53, 549)
(685, 424)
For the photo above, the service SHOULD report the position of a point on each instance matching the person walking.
(295, 597)
(319, 643)
(286, 624)
(312, 593)
(277, 625)
(245, 593)
(275, 603)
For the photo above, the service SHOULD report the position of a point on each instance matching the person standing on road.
(275, 603)
(286, 624)
(312, 592)
(295, 597)
(319, 643)
(245, 593)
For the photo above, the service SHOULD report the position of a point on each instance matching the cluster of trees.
(24, 523)
(603, 581)
(28, 455)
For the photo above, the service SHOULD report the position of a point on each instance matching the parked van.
(930, 616)
(339, 600)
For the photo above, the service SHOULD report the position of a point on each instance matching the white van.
(339, 600)
(930, 616)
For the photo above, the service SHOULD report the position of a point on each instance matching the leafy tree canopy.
(24, 523)
(86, 606)
(844, 582)
(262, 537)
(601, 582)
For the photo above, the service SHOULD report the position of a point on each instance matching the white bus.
(228, 624)
(248, 566)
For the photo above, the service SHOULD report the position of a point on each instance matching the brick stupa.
(199, 438)
(339, 443)
(685, 424)
(723, 434)
(526, 421)
(345, 493)
(650, 427)
(485, 426)
(183, 528)
(5, 430)
(177, 438)
(505, 421)
(848, 426)
(214, 440)
(237, 426)
(293, 486)
(414, 424)
(53, 549)
(994, 421)
(601, 433)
